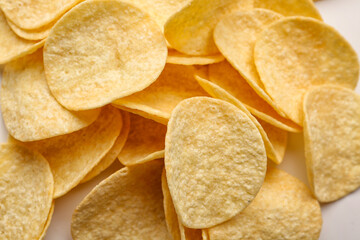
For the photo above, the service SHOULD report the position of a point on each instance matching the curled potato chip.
(73, 156)
(226, 77)
(146, 141)
(213, 151)
(332, 145)
(126, 205)
(190, 30)
(235, 36)
(26, 192)
(189, 233)
(175, 84)
(296, 53)
(35, 13)
(29, 110)
(35, 34)
(12, 46)
(305, 8)
(176, 57)
(283, 209)
(91, 64)
(111, 156)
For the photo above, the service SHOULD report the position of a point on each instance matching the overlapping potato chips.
(193, 97)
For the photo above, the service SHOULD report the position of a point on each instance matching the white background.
(341, 218)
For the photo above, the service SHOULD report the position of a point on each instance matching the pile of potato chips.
(194, 98)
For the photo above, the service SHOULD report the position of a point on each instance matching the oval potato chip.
(29, 110)
(175, 84)
(296, 53)
(95, 54)
(176, 57)
(235, 36)
(26, 192)
(215, 161)
(305, 8)
(332, 141)
(73, 156)
(190, 30)
(146, 141)
(11, 45)
(126, 205)
(34, 14)
(36, 34)
(283, 209)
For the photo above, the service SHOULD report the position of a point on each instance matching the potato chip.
(112, 155)
(35, 34)
(235, 36)
(283, 209)
(146, 141)
(48, 221)
(189, 233)
(127, 205)
(144, 114)
(175, 84)
(29, 110)
(95, 54)
(12, 46)
(176, 57)
(34, 14)
(296, 53)
(218, 92)
(190, 30)
(26, 192)
(225, 76)
(215, 161)
(332, 145)
(73, 156)
(205, 234)
(305, 8)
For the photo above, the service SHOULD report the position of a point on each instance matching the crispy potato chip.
(296, 53)
(35, 34)
(225, 76)
(112, 155)
(305, 8)
(175, 84)
(190, 30)
(146, 141)
(176, 57)
(29, 110)
(26, 192)
(205, 234)
(147, 115)
(34, 14)
(218, 92)
(73, 156)
(12, 46)
(332, 145)
(127, 205)
(48, 221)
(95, 54)
(212, 152)
(189, 233)
(283, 209)
(235, 36)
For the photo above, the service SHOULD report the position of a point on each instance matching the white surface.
(341, 218)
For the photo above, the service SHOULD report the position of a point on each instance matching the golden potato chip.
(111, 156)
(225, 76)
(73, 156)
(296, 53)
(127, 205)
(26, 192)
(146, 141)
(35, 34)
(29, 110)
(213, 151)
(190, 30)
(176, 57)
(305, 8)
(95, 54)
(34, 14)
(144, 114)
(48, 221)
(332, 141)
(12, 46)
(175, 84)
(283, 209)
(205, 234)
(235, 36)
(218, 92)
(189, 233)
